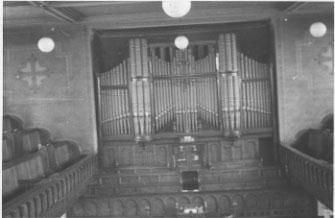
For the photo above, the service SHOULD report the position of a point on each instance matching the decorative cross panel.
(33, 73)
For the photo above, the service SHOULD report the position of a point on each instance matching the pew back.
(29, 155)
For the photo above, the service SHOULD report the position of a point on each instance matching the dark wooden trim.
(179, 30)
(64, 14)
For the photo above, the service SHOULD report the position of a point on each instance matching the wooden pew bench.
(29, 156)
(317, 143)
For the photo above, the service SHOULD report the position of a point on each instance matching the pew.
(317, 143)
(29, 156)
(62, 154)
(11, 138)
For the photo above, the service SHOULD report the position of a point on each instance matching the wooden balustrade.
(252, 203)
(51, 196)
(315, 175)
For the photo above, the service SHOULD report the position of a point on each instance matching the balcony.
(51, 196)
(314, 175)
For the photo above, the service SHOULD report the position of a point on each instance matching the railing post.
(38, 205)
(23, 210)
(31, 208)
(38, 200)
(313, 174)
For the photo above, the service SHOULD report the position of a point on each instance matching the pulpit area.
(40, 177)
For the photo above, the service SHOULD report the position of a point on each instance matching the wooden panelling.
(135, 156)
(169, 181)
(218, 154)
(50, 197)
(315, 176)
(252, 203)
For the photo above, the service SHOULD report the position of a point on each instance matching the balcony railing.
(51, 196)
(314, 175)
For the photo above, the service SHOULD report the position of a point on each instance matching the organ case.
(209, 87)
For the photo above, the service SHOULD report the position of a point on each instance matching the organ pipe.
(185, 91)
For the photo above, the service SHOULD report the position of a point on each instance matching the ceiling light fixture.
(176, 8)
(46, 44)
(181, 42)
(318, 29)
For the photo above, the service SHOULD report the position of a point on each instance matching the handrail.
(321, 162)
(49, 192)
(314, 175)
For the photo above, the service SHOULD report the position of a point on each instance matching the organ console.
(210, 86)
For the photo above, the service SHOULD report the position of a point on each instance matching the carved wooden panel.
(197, 155)
(131, 155)
(251, 203)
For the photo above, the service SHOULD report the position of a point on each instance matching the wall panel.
(51, 90)
(305, 73)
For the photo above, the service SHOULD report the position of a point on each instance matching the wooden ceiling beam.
(63, 4)
(64, 14)
(295, 6)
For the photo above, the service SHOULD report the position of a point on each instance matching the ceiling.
(128, 14)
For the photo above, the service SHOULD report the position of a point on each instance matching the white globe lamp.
(46, 44)
(176, 8)
(318, 29)
(181, 42)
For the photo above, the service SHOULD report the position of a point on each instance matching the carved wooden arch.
(103, 207)
(131, 207)
(183, 201)
(277, 200)
(238, 202)
(212, 204)
(117, 208)
(77, 209)
(144, 207)
(158, 207)
(198, 201)
(90, 207)
(225, 204)
(170, 205)
(264, 201)
(251, 201)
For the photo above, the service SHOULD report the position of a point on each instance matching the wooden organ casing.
(189, 129)
(210, 86)
(204, 110)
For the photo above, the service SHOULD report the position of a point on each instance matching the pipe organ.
(210, 86)
(114, 98)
